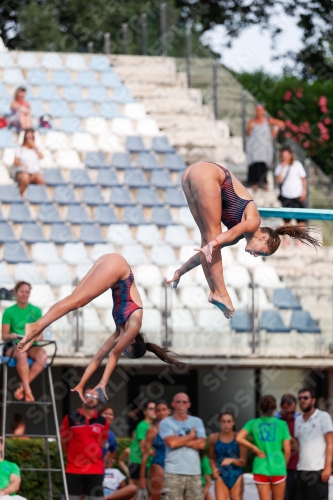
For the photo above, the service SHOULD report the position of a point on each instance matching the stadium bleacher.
(113, 183)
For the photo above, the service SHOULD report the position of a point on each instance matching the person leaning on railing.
(14, 320)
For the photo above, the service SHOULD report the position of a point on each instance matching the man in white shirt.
(314, 433)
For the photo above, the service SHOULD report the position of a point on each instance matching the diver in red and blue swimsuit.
(110, 271)
(214, 195)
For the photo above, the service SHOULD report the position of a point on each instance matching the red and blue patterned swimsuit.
(123, 305)
(232, 205)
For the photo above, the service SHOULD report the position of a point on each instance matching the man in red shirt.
(83, 436)
(288, 413)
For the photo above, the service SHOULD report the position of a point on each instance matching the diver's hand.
(207, 250)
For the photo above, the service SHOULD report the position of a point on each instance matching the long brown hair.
(140, 348)
(27, 131)
(301, 233)
(267, 405)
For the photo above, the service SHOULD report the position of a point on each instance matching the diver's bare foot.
(28, 339)
(79, 390)
(19, 393)
(174, 280)
(224, 303)
(29, 396)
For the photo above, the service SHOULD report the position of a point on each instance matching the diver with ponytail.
(111, 271)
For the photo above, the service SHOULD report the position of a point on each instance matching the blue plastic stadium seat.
(14, 253)
(147, 197)
(86, 79)
(36, 107)
(61, 234)
(161, 217)
(121, 160)
(52, 61)
(110, 79)
(49, 214)
(37, 77)
(284, 298)
(77, 215)
(84, 109)
(303, 322)
(135, 178)
(134, 144)
(173, 161)
(62, 78)
(109, 110)
(70, 125)
(271, 321)
(6, 60)
(32, 233)
(100, 63)
(122, 95)
(6, 233)
(19, 213)
(64, 195)
(161, 145)
(92, 196)
(175, 197)
(133, 216)
(13, 76)
(48, 93)
(105, 215)
(120, 196)
(97, 94)
(59, 109)
(6, 139)
(72, 93)
(80, 178)
(107, 178)
(161, 179)
(5, 109)
(37, 194)
(27, 60)
(241, 322)
(91, 235)
(147, 161)
(53, 177)
(95, 160)
(10, 194)
(2, 219)
(11, 362)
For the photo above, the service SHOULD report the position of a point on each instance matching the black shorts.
(88, 485)
(134, 470)
(292, 203)
(310, 486)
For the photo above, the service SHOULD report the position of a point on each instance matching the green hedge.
(31, 454)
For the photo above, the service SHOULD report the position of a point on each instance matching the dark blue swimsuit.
(232, 205)
(229, 473)
(159, 446)
(123, 305)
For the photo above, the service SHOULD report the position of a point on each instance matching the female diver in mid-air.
(214, 195)
(110, 271)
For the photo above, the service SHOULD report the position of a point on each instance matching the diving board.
(297, 213)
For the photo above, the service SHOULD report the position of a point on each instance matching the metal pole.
(62, 464)
(215, 90)
(307, 164)
(188, 56)
(163, 29)
(90, 47)
(4, 407)
(252, 320)
(144, 33)
(47, 445)
(244, 117)
(125, 37)
(107, 40)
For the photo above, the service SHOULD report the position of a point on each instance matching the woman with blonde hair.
(21, 113)
(27, 162)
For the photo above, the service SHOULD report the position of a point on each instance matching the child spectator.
(114, 482)
(206, 475)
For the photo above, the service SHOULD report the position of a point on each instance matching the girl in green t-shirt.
(271, 445)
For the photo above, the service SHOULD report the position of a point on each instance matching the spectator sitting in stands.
(17, 426)
(10, 478)
(14, 320)
(20, 108)
(27, 162)
(115, 487)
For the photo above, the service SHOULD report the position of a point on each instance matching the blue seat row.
(272, 322)
(60, 109)
(62, 78)
(145, 161)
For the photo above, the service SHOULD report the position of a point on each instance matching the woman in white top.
(291, 177)
(27, 162)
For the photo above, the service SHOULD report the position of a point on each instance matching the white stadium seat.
(4, 176)
(185, 280)
(145, 301)
(83, 142)
(104, 301)
(148, 235)
(83, 268)
(267, 277)
(147, 127)
(109, 143)
(119, 234)
(108, 318)
(193, 297)
(135, 254)
(76, 62)
(5, 278)
(182, 321)
(74, 253)
(237, 276)
(56, 141)
(101, 249)
(134, 111)
(68, 159)
(186, 218)
(96, 125)
(91, 320)
(177, 236)
(45, 253)
(247, 260)
(29, 273)
(58, 274)
(260, 298)
(8, 156)
(52, 61)
(163, 255)
(27, 60)
(212, 320)
(151, 321)
(122, 126)
(147, 275)
(42, 296)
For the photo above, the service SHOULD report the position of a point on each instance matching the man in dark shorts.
(83, 436)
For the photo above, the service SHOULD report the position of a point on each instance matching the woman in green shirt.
(271, 445)
(14, 320)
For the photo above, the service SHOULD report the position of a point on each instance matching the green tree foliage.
(304, 106)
